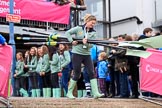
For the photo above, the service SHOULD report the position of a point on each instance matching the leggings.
(17, 86)
(77, 60)
(34, 80)
(55, 80)
(23, 82)
(46, 80)
(80, 83)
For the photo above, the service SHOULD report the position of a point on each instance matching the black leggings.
(23, 82)
(46, 80)
(17, 86)
(77, 60)
(55, 80)
(34, 80)
(80, 83)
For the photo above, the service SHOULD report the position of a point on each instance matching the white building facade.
(148, 11)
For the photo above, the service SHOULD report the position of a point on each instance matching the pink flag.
(37, 10)
(151, 72)
(5, 67)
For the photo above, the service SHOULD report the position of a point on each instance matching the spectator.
(19, 72)
(102, 71)
(65, 59)
(26, 57)
(60, 2)
(45, 72)
(121, 38)
(147, 32)
(80, 2)
(72, 3)
(114, 75)
(32, 64)
(59, 63)
(121, 65)
(38, 70)
(135, 37)
(27, 84)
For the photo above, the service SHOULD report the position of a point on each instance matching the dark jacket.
(142, 37)
(121, 61)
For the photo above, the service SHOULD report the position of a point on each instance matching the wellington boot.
(94, 88)
(80, 93)
(54, 92)
(70, 89)
(38, 92)
(58, 92)
(44, 92)
(48, 92)
(33, 92)
(24, 92)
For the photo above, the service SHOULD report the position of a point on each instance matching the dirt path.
(80, 103)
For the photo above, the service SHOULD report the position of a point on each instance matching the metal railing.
(38, 24)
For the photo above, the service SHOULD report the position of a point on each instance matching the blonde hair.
(45, 49)
(21, 56)
(103, 55)
(89, 17)
(35, 50)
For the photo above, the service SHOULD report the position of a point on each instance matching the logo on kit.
(147, 68)
(2, 69)
(80, 33)
(154, 69)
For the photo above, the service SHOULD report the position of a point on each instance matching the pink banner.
(151, 72)
(37, 10)
(5, 67)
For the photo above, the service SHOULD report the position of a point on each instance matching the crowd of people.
(47, 71)
(72, 2)
(95, 72)
(42, 72)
